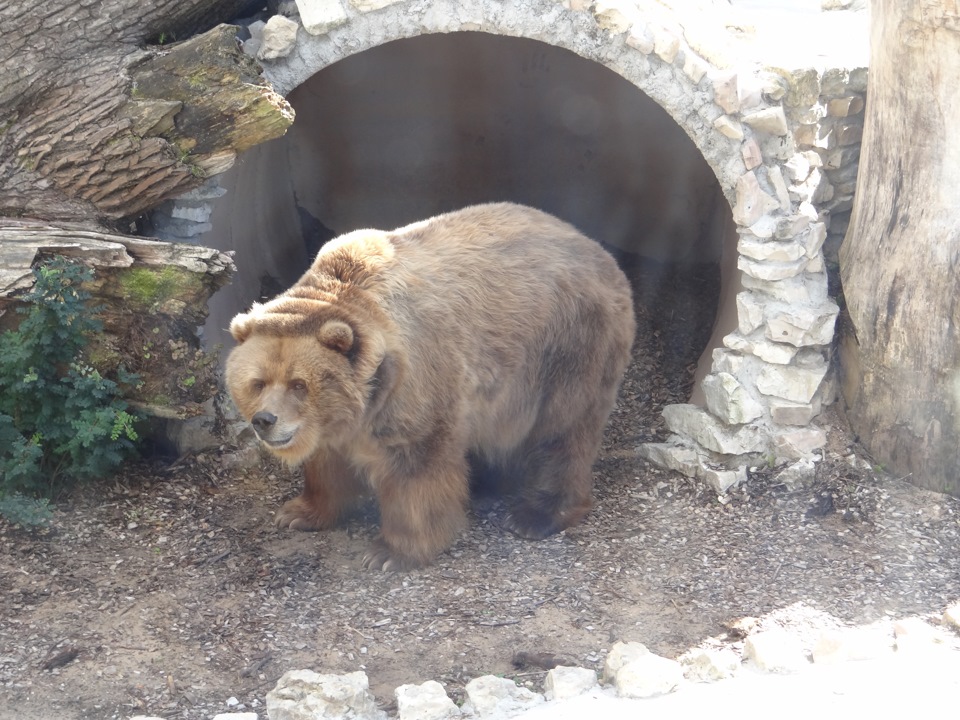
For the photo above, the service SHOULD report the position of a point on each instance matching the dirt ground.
(168, 592)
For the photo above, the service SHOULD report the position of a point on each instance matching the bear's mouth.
(277, 442)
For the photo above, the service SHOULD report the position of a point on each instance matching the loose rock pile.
(630, 671)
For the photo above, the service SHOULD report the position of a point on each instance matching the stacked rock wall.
(782, 142)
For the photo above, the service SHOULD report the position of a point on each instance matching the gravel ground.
(168, 592)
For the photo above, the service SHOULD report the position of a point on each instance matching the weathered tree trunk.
(103, 115)
(900, 261)
(97, 124)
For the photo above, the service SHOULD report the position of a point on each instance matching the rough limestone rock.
(566, 682)
(279, 38)
(427, 701)
(694, 422)
(915, 635)
(490, 696)
(951, 616)
(729, 400)
(798, 474)
(796, 384)
(648, 676)
(769, 120)
(862, 643)
(620, 654)
(709, 665)
(321, 16)
(637, 673)
(306, 695)
(775, 651)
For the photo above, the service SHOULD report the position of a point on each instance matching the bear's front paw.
(381, 557)
(297, 514)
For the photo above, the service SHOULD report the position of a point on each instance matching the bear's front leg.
(422, 510)
(330, 488)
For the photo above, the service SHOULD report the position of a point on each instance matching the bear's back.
(490, 299)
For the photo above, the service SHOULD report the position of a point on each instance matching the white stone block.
(775, 651)
(566, 682)
(914, 635)
(620, 654)
(611, 16)
(640, 38)
(764, 228)
(799, 443)
(306, 695)
(694, 66)
(236, 716)
(729, 400)
(769, 120)
(722, 480)
(775, 251)
(728, 127)
(771, 271)
(797, 168)
(194, 213)
(709, 665)
(951, 616)
(672, 456)
(770, 352)
(427, 701)
(798, 474)
(752, 202)
(750, 312)
(796, 384)
(648, 676)
(866, 643)
(813, 239)
(321, 16)
(775, 175)
(801, 289)
(490, 697)
(696, 423)
(279, 38)
(666, 45)
(791, 226)
(803, 327)
(752, 157)
(371, 5)
(726, 361)
(788, 413)
(725, 92)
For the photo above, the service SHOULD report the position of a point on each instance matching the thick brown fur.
(497, 333)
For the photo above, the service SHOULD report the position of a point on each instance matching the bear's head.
(303, 377)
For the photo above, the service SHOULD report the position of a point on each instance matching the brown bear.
(495, 336)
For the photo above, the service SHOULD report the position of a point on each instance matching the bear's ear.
(241, 326)
(337, 335)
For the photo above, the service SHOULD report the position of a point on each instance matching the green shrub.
(60, 420)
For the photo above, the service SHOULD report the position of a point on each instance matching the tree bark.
(97, 124)
(900, 348)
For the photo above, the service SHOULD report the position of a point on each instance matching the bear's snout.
(263, 421)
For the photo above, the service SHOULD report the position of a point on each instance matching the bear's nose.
(263, 421)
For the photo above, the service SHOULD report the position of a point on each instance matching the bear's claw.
(297, 515)
(381, 557)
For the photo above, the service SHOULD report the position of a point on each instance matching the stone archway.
(769, 139)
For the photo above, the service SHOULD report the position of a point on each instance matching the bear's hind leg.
(330, 488)
(421, 513)
(554, 480)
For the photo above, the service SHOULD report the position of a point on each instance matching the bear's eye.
(299, 387)
(258, 386)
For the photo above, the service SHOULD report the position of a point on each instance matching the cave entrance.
(432, 123)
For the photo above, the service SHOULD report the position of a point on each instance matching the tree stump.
(900, 345)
